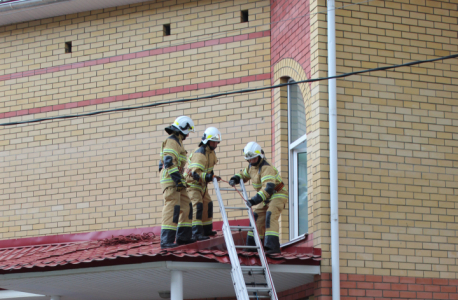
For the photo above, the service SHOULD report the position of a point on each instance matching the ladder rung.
(258, 289)
(243, 228)
(253, 270)
(254, 284)
(261, 272)
(246, 247)
(227, 189)
(259, 297)
(232, 207)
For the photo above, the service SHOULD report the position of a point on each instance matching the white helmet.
(184, 124)
(252, 150)
(211, 134)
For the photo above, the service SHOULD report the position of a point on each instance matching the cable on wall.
(227, 93)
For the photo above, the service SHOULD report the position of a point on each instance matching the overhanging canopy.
(145, 281)
(129, 264)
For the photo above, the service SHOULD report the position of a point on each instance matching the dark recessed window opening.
(166, 29)
(68, 47)
(244, 16)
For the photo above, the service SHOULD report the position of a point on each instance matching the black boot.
(181, 242)
(272, 244)
(184, 235)
(208, 230)
(168, 238)
(198, 233)
(250, 242)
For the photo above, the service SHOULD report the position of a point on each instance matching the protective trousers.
(176, 216)
(202, 217)
(267, 224)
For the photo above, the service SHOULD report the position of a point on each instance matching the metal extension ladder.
(245, 290)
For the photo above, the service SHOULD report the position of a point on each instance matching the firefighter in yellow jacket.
(271, 196)
(173, 161)
(199, 173)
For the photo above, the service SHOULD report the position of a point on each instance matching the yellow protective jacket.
(173, 158)
(200, 163)
(265, 179)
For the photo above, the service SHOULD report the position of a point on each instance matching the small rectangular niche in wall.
(166, 29)
(68, 47)
(244, 16)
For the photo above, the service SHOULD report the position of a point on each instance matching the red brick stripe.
(153, 52)
(190, 87)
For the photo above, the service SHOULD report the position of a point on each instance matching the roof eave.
(19, 11)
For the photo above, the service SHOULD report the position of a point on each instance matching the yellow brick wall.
(397, 129)
(100, 172)
(102, 34)
(397, 139)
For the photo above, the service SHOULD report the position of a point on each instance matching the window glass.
(302, 192)
(297, 113)
(297, 137)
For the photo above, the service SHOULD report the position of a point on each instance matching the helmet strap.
(180, 134)
(257, 162)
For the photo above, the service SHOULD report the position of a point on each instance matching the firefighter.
(171, 166)
(271, 196)
(199, 173)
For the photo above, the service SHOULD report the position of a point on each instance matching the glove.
(234, 180)
(255, 200)
(176, 177)
(217, 178)
(209, 177)
(250, 203)
(195, 176)
(161, 165)
(180, 187)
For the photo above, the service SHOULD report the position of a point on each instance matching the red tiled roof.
(145, 247)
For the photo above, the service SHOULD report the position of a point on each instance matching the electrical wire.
(228, 93)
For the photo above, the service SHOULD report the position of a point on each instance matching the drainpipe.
(333, 172)
(176, 285)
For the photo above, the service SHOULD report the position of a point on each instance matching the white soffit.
(144, 281)
(7, 294)
(54, 9)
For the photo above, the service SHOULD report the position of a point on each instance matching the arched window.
(297, 144)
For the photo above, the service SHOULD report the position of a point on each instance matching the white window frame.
(293, 150)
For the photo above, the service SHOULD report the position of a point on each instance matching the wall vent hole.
(68, 47)
(244, 16)
(166, 29)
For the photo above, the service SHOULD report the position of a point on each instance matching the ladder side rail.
(236, 272)
(262, 255)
